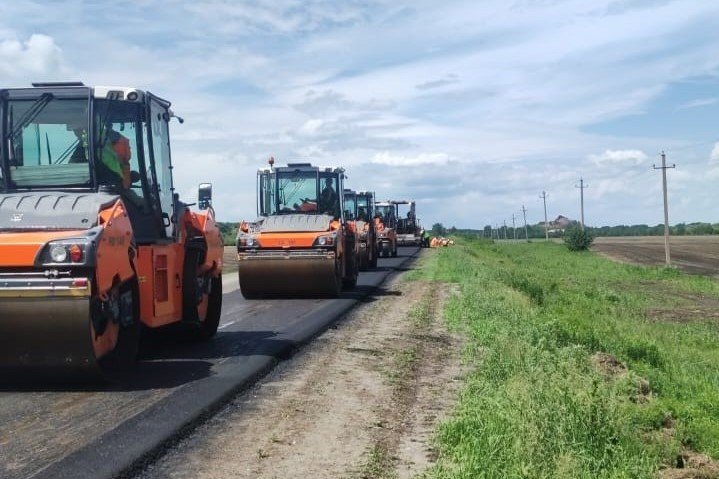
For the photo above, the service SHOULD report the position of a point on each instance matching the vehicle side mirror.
(134, 177)
(204, 196)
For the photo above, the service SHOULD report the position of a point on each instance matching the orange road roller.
(301, 244)
(386, 225)
(95, 245)
(359, 209)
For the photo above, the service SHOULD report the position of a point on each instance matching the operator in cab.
(115, 155)
(329, 200)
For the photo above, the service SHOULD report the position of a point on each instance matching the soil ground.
(230, 259)
(693, 254)
(362, 401)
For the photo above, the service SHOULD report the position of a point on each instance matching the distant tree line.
(229, 231)
(537, 230)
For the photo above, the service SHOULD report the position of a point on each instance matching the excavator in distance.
(301, 244)
(359, 208)
(95, 245)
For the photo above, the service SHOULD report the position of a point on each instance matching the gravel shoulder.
(362, 401)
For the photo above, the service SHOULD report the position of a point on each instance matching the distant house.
(559, 224)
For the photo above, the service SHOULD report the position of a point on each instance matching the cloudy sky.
(471, 108)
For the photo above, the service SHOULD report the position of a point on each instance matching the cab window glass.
(329, 201)
(48, 142)
(350, 202)
(118, 126)
(161, 154)
(268, 205)
(297, 191)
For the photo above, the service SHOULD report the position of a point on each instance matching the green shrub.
(578, 239)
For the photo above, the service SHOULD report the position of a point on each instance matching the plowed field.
(693, 254)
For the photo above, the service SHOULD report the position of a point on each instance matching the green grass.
(378, 465)
(535, 405)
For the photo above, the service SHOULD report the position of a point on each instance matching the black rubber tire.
(350, 282)
(120, 363)
(364, 261)
(189, 286)
(373, 255)
(337, 286)
(208, 327)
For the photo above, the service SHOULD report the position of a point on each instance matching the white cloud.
(363, 84)
(619, 157)
(699, 102)
(714, 156)
(387, 158)
(37, 57)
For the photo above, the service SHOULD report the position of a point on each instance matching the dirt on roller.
(692, 254)
(362, 401)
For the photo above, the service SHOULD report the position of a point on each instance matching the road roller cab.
(359, 209)
(301, 244)
(409, 231)
(94, 243)
(385, 219)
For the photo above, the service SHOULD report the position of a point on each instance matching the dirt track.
(693, 254)
(363, 401)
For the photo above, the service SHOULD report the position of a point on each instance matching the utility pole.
(526, 233)
(581, 187)
(664, 169)
(514, 227)
(546, 225)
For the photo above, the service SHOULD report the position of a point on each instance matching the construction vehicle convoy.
(96, 246)
(94, 243)
(359, 209)
(301, 244)
(386, 226)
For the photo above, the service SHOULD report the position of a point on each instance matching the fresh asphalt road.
(102, 431)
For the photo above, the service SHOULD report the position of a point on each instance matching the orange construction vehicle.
(94, 243)
(385, 219)
(359, 209)
(302, 243)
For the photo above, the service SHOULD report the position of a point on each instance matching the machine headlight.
(69, 251)
(248, 242)
(325, 240)
(58, 254)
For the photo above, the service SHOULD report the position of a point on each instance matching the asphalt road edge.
(136, 442)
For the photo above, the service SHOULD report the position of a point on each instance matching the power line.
(581, 187)
(546, 224)
(664, 169)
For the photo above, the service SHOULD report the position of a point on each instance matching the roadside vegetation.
(578, 239)
(581, 367)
